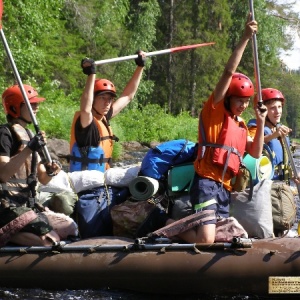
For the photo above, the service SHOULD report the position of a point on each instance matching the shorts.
(204, 189)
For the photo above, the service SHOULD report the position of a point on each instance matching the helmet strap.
(27, 122)
(268, 120)
(95, 110)
(227, 104)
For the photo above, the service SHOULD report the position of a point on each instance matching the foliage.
(48, 39)
(152, 123)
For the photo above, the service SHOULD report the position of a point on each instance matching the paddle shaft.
(291, 161)
(17, 76)
(256, 61)
(159, 52)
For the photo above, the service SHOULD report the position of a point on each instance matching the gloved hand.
(88, 66)
(140, 60)
(53, 168)
(37, 142)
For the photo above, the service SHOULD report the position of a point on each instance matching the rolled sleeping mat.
(143, 187)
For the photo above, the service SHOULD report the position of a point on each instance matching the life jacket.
(92, 158)
(20, 188)
(252, 127)
(279, 156)
(229, 147)
(275, 146)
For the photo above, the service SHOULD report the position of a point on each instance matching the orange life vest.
(230, 146)
(92, 158)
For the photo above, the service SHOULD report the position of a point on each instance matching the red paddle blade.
(1, 11)
(182, 48)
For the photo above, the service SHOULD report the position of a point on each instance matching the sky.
(292, 58)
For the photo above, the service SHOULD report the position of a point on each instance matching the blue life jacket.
(275, 146)
(278, 159)
(87, 158)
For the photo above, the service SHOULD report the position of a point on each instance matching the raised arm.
(255, 146)
(234, 60)
(132, 86)
(87, 97)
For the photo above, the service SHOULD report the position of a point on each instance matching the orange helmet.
(12, 98)
(271, 94)
(240, 86)
(103, 86)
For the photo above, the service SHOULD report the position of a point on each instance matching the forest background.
(48, 39)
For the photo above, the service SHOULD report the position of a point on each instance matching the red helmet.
(269, 94)
(104, 86)
(12, 98)
(240, 86)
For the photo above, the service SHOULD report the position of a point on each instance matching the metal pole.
(159, 52)
(256, 61)
(17, 76)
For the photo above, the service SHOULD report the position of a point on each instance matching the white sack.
(87, 179)
(120, 177)
(57, 184)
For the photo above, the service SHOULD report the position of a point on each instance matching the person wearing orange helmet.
(274, 100)
(223, 139)
(20, 169)
(91, 143)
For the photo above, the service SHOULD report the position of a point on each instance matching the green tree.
(185, 79)
(48, 39)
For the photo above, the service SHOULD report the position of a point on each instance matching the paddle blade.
(183, 48)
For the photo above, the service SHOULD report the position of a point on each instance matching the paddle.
(256, 62)
(291, 159)
(159, 52)
(19, 81)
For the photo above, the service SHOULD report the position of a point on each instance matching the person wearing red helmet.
(20, 169)
(223, 139)
(92, 140)
(274, 100)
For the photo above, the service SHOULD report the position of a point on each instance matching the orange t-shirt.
(212, 120)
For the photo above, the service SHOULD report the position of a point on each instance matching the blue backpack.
(160, 159)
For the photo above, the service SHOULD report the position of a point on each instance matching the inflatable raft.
(241, 267)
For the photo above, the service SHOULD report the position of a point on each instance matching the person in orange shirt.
(223, 139)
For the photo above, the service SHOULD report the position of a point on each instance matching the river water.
(109, 294)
